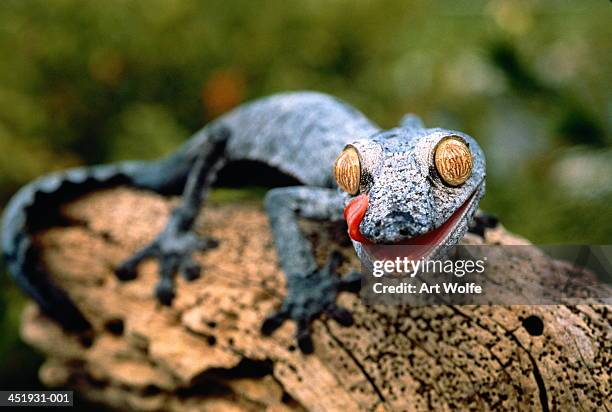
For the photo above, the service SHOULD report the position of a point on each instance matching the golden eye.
(347, 170)
(453, 160)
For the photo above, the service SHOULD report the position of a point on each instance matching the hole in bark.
(151, 390)
(205, 386)
(533, 325)
(212, 341)
(246, 368)
(86, 340)
(288, 400)
(114, 326)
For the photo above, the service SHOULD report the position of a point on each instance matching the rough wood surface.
(205, 352)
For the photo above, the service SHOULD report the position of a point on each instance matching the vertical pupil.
(453, 161)
(348, 171)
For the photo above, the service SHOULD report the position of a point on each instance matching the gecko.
(407, 185)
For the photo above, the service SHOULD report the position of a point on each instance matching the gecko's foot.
(311, 296)
(481, 222)
(173, 249)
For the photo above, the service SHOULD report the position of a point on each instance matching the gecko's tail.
(28, 211)
(33, 206)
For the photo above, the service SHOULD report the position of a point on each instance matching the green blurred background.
(85, 82)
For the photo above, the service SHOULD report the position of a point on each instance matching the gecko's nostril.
(403, 221)
(401, 217)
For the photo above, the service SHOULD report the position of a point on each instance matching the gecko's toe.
(350, 282)
(126, 272)
(273, 322)
(341, 315)
(191, 270)
(303, 337)
(164, 291)
(207, 243)
(481, 222)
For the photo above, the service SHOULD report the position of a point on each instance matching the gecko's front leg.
(175, 245)
(311, 291)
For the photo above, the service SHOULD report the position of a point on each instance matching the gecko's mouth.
(414, 248)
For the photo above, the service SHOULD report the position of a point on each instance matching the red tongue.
(353, 213)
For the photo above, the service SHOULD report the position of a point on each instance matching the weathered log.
(206, 353)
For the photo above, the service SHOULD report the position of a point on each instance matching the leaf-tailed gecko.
(407, 185)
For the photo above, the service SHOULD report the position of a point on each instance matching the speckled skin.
(406, 195)
(299, 134)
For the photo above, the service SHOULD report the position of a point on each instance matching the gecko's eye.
(453, 160)
(347, 170)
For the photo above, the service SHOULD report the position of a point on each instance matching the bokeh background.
(85, 82)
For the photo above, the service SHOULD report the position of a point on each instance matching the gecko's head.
(415, 188)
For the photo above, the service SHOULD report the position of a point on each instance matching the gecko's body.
(399, 197)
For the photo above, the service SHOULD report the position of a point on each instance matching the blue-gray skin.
(300, 134)
(407, 197)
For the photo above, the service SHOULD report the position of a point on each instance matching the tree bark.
(206, 353)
